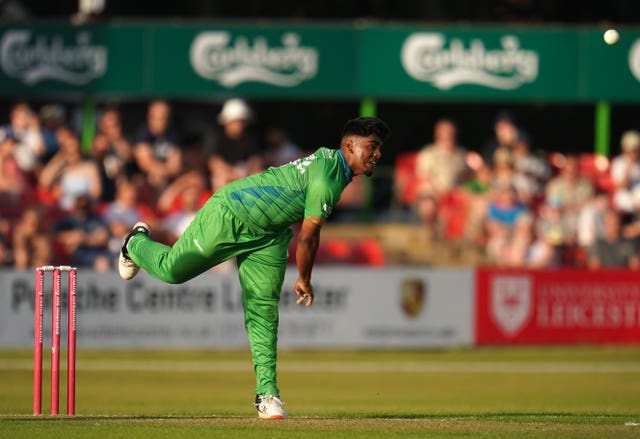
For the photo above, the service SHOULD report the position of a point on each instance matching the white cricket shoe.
(270, 407)
(126, 267)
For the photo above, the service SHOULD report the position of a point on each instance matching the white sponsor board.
(354, 308)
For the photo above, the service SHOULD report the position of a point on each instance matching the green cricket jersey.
(281, 196)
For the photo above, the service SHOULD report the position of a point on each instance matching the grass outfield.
(581, 392)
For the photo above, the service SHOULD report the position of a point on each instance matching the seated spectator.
(83, 237)
(505, 135)
(157, 147)
(31, 242)
(542, 253)
(553, 230)
(625, 172)
(477, 191)
(122, 212)
(52, 117)
(280, 149)
(590, 226)
(612, 250)
(531, 171)
(171, 199)
(505, 217)
(503, 173)
(441, 165)
(176, 223)
(24, 128)
(570, 190)
(68, 175)
(13, 180)
(235, 151)
(112, 152)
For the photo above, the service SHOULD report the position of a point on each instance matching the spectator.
(172, 198)
(531, 171)
(441, 165)
(503, 173)
(14, 182)
(83, 236)
(156, 149)
(280, 149)
(553, 230)
(31, 242)
(591, 219)
(477, 191)
(570, 190)
(176, 223)
(52, 117)
(504, 225)
(235, 151)
(625, 173)
(24, 128)
(505, 135)
(120, 213)
(69, 175)
(612, 250)
(112, 152)
(541, 253)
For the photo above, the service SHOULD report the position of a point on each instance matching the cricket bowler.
(250, 219)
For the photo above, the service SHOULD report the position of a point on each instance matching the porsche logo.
(413, 297)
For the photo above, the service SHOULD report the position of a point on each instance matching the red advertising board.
(557, 306)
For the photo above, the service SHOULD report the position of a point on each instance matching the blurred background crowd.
(530, 195)
(511, 204)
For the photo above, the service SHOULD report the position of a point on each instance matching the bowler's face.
(366, 153)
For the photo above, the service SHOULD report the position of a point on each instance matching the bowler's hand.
(304, 290)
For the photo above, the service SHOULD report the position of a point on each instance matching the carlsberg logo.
(426, 58)
(34, 58)
(215, 56)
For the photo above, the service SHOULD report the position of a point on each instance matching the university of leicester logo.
(413, 297)
(511, 303)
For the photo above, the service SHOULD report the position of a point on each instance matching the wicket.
(38, 336)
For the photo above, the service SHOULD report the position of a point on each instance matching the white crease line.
(342, 367)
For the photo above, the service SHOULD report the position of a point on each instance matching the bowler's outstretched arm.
(308, 243)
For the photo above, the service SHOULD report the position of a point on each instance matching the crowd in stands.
(61, 203)
(522, 209)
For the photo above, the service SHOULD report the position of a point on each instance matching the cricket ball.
(611, 37)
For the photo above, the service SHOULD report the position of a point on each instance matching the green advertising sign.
(319, 62)
(258, 61)
(471, 64)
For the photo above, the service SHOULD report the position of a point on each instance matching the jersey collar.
(346, 170)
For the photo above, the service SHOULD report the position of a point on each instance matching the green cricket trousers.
(214, 236)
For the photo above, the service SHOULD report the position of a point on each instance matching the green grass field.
(553, 392)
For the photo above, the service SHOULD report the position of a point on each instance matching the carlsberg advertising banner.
(319, 62)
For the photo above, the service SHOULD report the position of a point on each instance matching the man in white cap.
(625, 172)
(235, 151)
